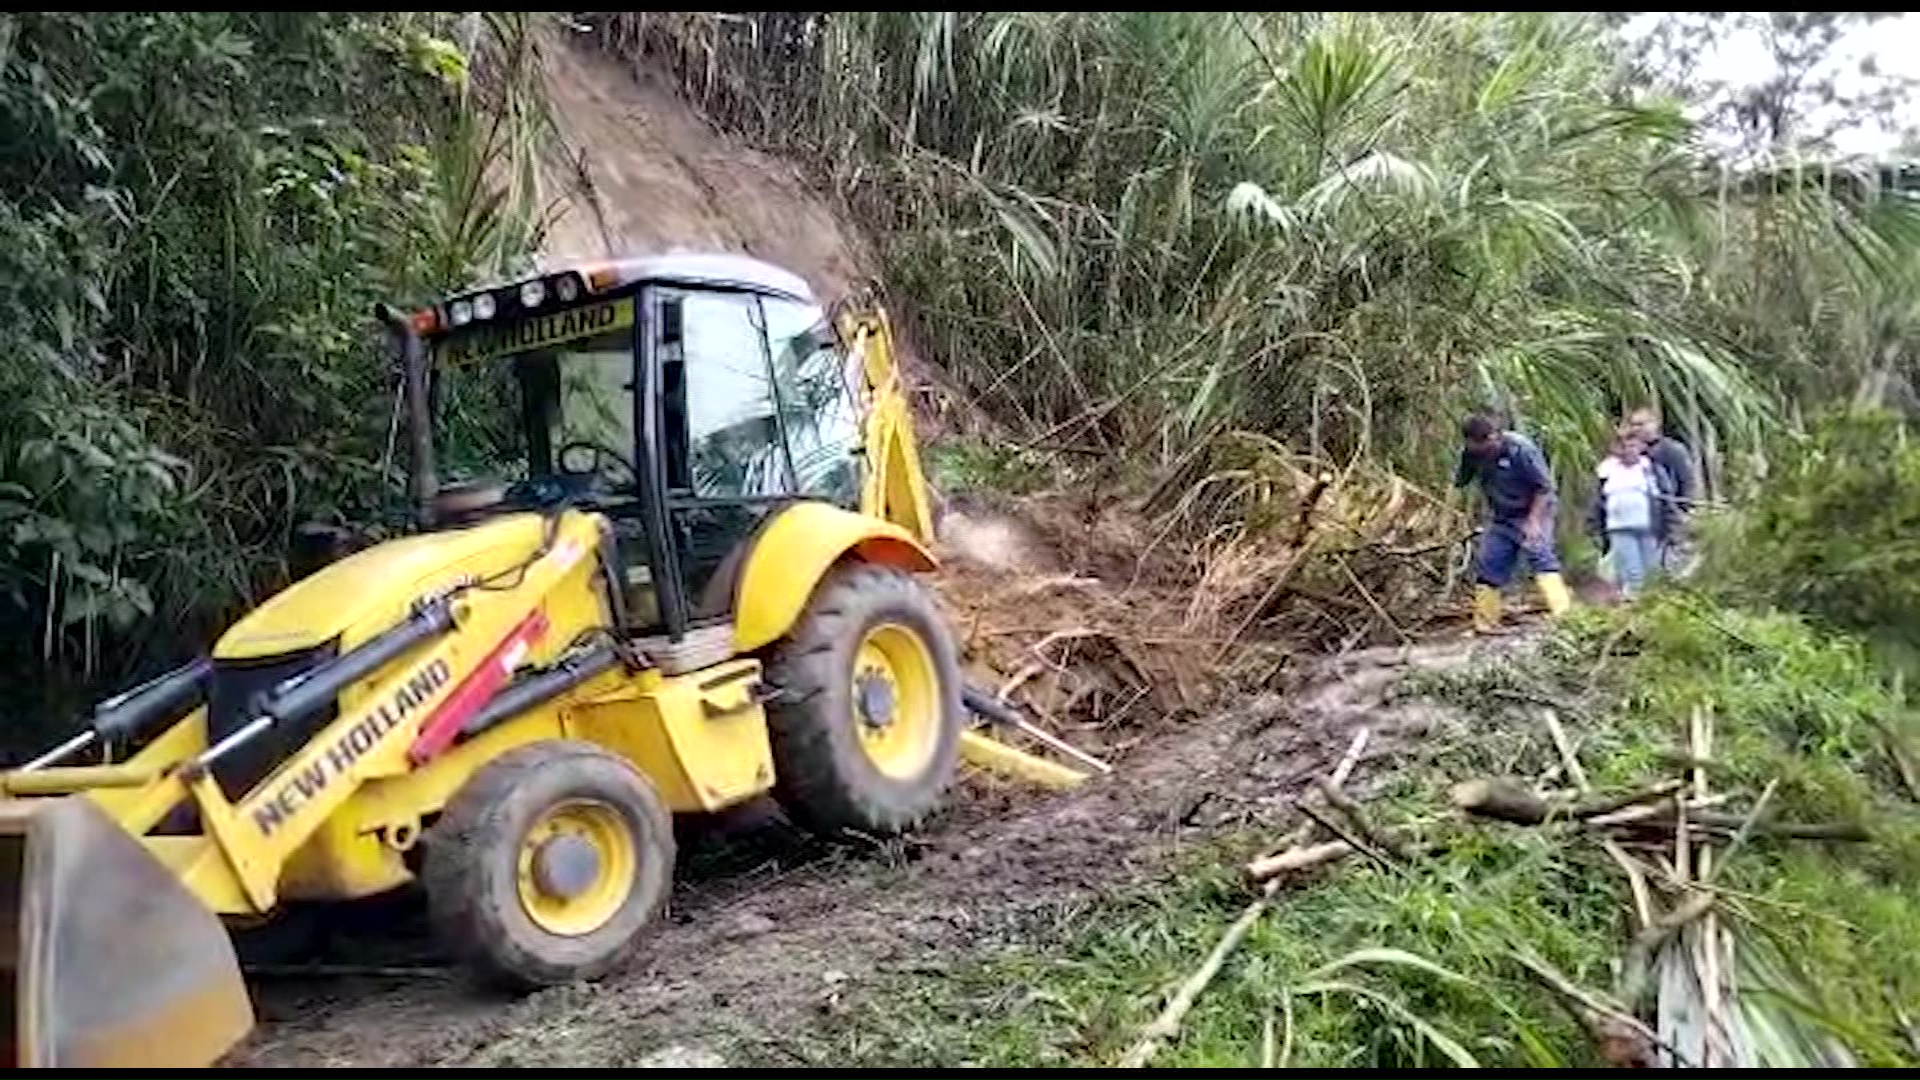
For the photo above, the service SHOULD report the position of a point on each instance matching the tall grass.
(1133, 231)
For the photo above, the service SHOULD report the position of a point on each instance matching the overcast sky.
(1893, 43)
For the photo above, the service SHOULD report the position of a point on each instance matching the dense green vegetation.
(197, 213)
(1141, 230)
(1832, 531)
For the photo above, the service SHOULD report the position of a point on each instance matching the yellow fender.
(795, 551)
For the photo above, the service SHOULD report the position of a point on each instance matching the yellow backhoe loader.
(678, 575)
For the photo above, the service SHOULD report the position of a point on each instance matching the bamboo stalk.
(1561, 743)
(1351, 758)
(1636, 881)
(1708, 941)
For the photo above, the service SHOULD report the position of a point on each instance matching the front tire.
(548, 865)
(866, 727)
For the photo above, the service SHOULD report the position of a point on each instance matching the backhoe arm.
(895, 488)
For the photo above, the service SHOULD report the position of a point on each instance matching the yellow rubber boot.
(1553, 590)
(1486, 609)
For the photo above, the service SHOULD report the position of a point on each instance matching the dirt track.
(769, 933)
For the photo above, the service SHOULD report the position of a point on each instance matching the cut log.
(1302, 857)
(1508, 800)
(1504, 800)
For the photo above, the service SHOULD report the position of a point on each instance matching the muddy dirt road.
(769, 934)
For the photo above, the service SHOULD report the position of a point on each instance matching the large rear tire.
(548, 865)
(866, 726)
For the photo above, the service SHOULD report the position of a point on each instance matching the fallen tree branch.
(1636, 881)
(1298, 857)
(1352, 841)
(1351, 759)
(1357, 817)
(1663, 807)
(1561, 743)
(1166, 1025)
(1408, 838)
(1740, 835)
(1666, 821)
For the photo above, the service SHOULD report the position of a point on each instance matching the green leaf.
(1389, 957)
(1445, 1044)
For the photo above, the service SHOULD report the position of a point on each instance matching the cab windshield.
(566, 408)
(756, 400)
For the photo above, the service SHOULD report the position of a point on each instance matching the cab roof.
(708, 269)
(581, 279)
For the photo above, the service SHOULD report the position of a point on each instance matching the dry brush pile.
(1101, 612)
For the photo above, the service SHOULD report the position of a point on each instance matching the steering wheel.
(599, 452)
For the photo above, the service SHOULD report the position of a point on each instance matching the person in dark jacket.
(1671, 456)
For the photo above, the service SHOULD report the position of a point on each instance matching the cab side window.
(819, 406)
(722, 426)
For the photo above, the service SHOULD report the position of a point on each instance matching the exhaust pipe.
(422, 477)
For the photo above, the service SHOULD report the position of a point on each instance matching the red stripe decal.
(440, 729)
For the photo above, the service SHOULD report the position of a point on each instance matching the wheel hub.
(565, 866)
(875, 696)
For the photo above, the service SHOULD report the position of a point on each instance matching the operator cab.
(686, 397)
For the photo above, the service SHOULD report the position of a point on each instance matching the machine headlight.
(483, 306)
(461, 312)
(533, 294)
(567, 288)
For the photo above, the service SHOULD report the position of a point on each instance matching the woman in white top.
(1630, 512)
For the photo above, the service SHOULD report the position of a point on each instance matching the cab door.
(722, 464)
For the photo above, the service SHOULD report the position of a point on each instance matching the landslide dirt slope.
(644, 174)
(656, 178)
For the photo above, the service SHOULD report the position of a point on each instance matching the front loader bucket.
(108, 962)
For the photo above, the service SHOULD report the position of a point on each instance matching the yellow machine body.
(116, 953)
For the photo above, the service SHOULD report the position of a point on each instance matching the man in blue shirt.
(1520, 499)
